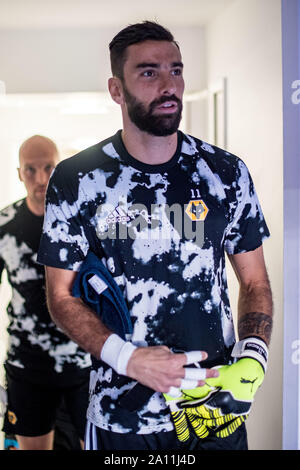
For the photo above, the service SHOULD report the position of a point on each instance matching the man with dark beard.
(127, 200)
(150, 122)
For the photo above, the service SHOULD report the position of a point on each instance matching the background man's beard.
(147, 121)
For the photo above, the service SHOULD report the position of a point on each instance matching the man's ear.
(19, 173)
(116, 90)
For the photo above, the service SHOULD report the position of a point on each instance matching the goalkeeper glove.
(228, 407)
(199, 410)
(179, 415)
(225, 404)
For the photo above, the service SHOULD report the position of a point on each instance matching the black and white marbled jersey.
(35, 343)
(140, 220)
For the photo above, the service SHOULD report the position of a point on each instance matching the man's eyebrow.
(177, 64)
(155, 65)
(144, 65)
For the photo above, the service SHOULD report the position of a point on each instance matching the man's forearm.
(79, 323)
(255, 309)
(156, 367)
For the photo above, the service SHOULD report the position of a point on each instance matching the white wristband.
(252, 347)
(116, 353)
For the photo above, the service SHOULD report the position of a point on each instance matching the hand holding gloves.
(224, 403)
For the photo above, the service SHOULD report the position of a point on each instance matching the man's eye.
(148, 73)
(177, 72)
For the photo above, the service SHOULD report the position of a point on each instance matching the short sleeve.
(63, 242)
(247, 228)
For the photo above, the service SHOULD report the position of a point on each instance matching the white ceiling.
(36, 14)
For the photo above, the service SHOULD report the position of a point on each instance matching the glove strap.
(116, 353)
(252, 347)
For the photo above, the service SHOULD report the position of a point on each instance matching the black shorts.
(33, 401)
(99, 439)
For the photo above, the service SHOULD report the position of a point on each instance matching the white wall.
(77, 59)
(64, 60)
(244, 45)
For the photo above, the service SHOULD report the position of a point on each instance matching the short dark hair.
(133, 34)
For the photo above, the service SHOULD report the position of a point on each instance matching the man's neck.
(34, 207)
(147, 148)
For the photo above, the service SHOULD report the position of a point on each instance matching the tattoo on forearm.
(255, 323)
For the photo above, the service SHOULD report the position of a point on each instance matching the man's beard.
(147, 121)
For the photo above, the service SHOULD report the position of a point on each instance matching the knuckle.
(175, 361)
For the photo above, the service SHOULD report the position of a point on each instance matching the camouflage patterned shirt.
(162, 231)
(35, 343)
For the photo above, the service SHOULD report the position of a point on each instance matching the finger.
(188, 384)
(212, 373)
(185, 384)
(195, 356)
(174, 392)
(193, 373)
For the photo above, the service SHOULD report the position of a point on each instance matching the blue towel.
(97, 288)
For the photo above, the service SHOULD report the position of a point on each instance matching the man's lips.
(167, 107)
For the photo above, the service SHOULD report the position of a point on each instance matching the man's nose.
(41, 177)
(167, 84)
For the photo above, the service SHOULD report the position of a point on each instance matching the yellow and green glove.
(224, 403)
(179, 415)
